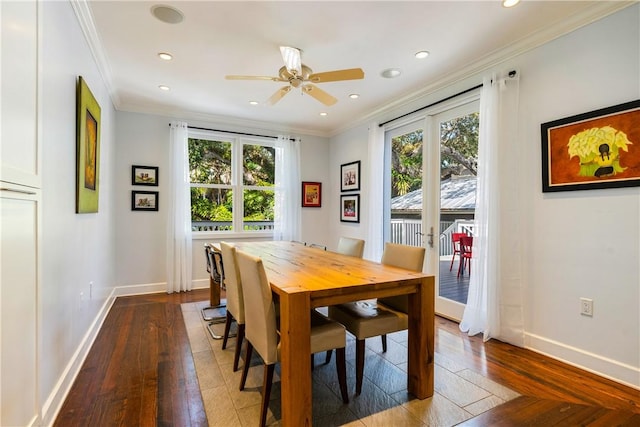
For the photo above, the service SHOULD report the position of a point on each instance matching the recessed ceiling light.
(510, 3)
(390, 73)
(163, 87)
(167, 14)
(422, 54)
(354, 96)
(253, 102)
(323, 114)
(166, 56)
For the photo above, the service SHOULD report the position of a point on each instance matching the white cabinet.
(18, 94)
(20, 212)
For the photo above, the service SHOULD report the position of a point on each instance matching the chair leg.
(341, 366)
(247, 362)
(327, 359)
(266, 392)
(453, 257)
(239, 339)
(227, 327)
(359, 365)
(384, 342)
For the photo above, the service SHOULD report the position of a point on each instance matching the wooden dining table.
(303, 278)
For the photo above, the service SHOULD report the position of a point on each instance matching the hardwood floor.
(140, 371)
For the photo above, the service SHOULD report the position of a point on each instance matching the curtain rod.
(432, 104)
(237, 133)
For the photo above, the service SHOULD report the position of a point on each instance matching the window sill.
(222, 235)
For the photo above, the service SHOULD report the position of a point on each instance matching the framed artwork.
(598, 149)
(350, 176)
(144, 200)
(87, 149)
(144, 175)
(350, 208)
(311, 194)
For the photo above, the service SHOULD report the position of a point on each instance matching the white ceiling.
(237, 37)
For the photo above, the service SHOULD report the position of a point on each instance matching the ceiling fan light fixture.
(391, 73)
(292, 61)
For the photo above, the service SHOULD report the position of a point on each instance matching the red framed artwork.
(599, 149)
(311, 194)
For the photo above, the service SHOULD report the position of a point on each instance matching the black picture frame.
(350, 208)
(144, 200)
(144, 175)
(350, 176)
(595, 150)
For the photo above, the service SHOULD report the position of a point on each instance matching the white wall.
(76, 248)
(577, 244)
(143, 139)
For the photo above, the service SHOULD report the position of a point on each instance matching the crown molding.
(85, 19)
(598, 11)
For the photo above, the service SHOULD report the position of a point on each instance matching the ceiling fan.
(298, 75)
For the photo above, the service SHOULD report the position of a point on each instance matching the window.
(222, 167)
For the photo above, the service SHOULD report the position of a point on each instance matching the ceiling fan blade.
(291, 58)
(319, 94)
(337, 75)
(280, 93)
(274, 79)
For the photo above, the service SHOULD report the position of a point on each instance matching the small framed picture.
(350, 208)
(144, 175)
(144, 200)
(311, 194)
(350, 176)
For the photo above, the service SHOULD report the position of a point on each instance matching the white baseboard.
(608, 368)
(56, 398)
(54, 402)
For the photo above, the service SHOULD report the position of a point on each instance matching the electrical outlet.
(586, 306)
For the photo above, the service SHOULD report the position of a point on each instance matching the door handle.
(430, 241)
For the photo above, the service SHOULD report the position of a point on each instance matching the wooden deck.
(451, 286)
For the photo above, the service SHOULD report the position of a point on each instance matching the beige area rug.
(460, 394)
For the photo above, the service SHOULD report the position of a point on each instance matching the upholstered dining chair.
(235, 300)
(370, 318)
(261, 332)
(216, 282)
(350, 246)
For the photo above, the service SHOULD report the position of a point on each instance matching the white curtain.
(494, 305)
(179, 207)
(374, 240)
(288, 211)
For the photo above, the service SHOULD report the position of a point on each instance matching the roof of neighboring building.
(456, 193)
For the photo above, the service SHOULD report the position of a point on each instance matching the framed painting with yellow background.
(598, 149)
(311, 194)
(87, 150)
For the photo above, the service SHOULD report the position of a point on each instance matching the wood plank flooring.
(140, 372)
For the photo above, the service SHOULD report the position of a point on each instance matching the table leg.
(295, 350)
(422, 340)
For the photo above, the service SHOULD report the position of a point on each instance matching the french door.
(430, 183)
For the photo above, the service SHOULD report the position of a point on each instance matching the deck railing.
(409, 232)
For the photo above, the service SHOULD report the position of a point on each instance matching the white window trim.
(237, 143)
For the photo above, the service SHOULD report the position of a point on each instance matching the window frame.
(237, 185)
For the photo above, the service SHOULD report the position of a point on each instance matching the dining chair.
(216, 275)
(455, 244)
(261, 331)
(350, 246)
(466, 253)
(235, 300)
(370, 318)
